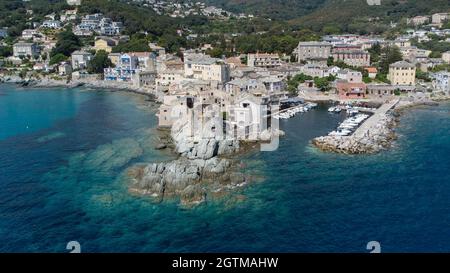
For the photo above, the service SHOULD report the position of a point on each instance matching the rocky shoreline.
(95, 84)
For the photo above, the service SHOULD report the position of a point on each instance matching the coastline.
(94, 84)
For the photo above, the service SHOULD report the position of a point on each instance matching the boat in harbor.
(334, 109)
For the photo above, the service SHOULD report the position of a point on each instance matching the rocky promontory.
(206, 166)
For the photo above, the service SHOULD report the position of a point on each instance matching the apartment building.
(22, 49)
(357, 58)
(264, 60)
(402, 73)
(203, 67)
(312, 50)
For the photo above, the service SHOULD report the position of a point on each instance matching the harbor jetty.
(373, 135)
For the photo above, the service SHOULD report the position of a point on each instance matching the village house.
(172, 108)
(234, 62)
(3, 32)
(114, 58)
(74, 2)
(90, 22)
(380, 90)
(80, 59)
(124, 71)
(264, 60)
(402, 73)
(402, 43)
(441, 81)
(413, 53)
(159, 50)
(372, 72)
(349, 75)
(446, 57)
(418, 20)
(105, 43)
(54, 24)
(144, 78)
(312, 50)
(146, 60)
(242, 85)
(29, 33)
(439, 18)
(22, 49)
(64, 69)
(169, 77)
(315, 70)
(246, 119)
(351, 90)
(204, 67)
(43, 67)
(429, 63)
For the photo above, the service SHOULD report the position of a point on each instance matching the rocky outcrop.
(201, 142)
(199, 171)
(189, 180)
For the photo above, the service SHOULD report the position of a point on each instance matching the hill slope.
(344, 13)
(275, 9)
(323, 12)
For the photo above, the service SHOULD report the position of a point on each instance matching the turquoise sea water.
(64, 153)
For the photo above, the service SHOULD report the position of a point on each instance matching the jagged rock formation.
(197, 172)
(190, 180)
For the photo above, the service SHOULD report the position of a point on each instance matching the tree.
(23, 73)
(422, 75)
(390, 55)
(375, 52)
(296, 80)
(215, 52)
(322, 83)
(330, 61)
(55, 59)
(67, 43)
(5, 51)
(435, 54)
(99, 62)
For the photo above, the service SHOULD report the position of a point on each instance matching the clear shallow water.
(61, 179)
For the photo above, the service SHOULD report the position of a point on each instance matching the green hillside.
(353, 15)
(345, 14)
(275, 9)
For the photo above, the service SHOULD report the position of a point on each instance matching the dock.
(373, 121)
(373, 135)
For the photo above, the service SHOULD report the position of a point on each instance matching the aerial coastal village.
(368, 75)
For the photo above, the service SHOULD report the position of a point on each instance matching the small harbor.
(361, 133)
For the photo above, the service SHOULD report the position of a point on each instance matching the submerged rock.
(161, 146)
(190, 180)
